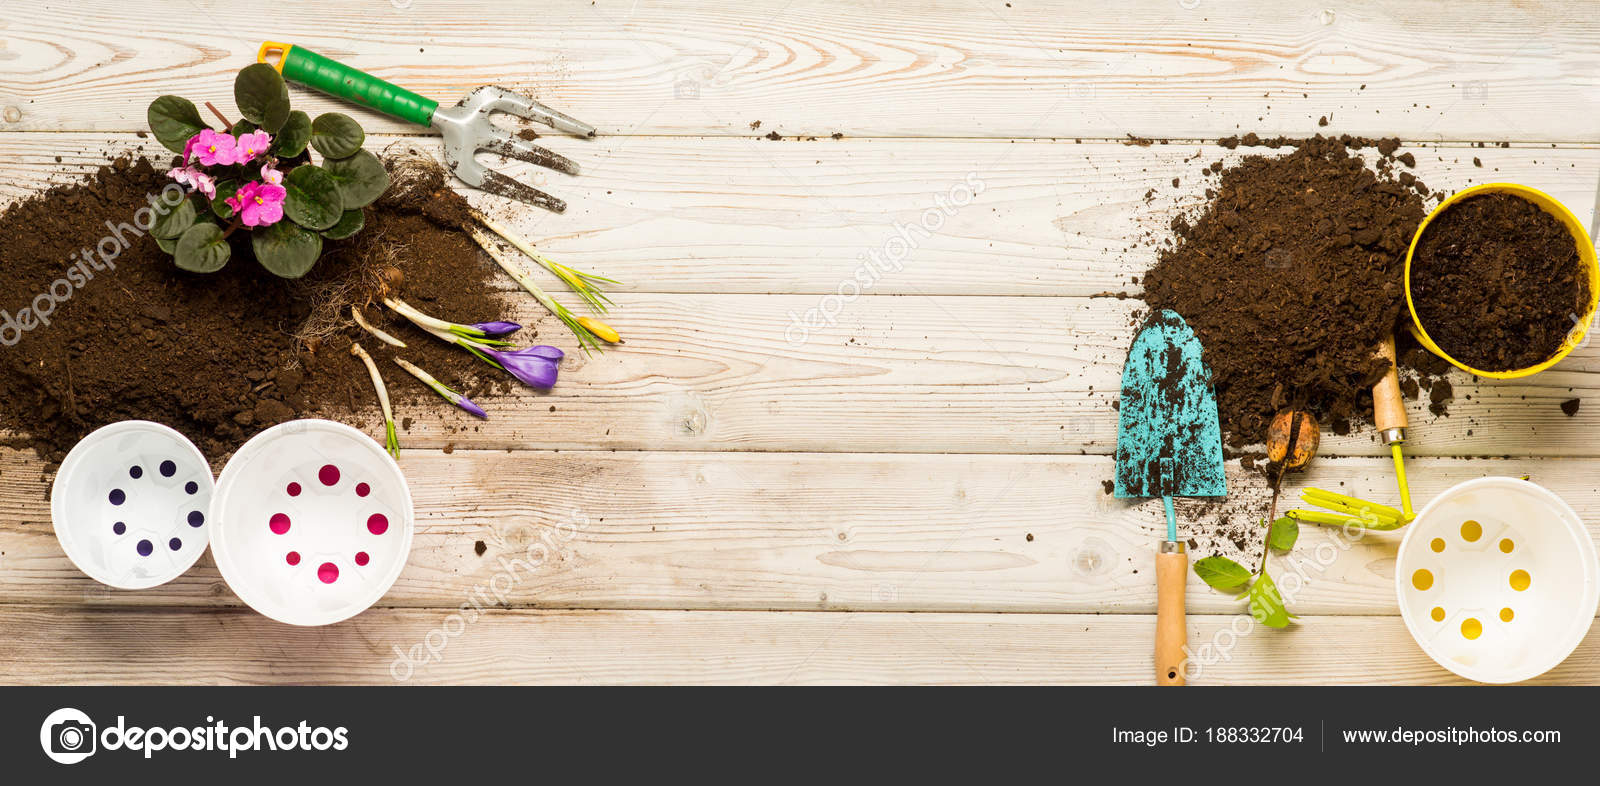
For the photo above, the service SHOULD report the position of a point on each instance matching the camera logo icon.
(67, 736)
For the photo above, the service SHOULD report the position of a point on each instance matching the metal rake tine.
(502, 142)
(496, 183)
(523, 106)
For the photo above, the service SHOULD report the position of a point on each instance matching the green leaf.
(219, 203)
(286, 248)
(167, 244)
(242, 127)
(173, 120)
(313, 200)
(262, 96)
(1266, 605)
(1284, 533)
(175, 221)
(337, 135)
(349, 224)
(202, 249)
(1221, 572)
(361, 178)
(293, 136)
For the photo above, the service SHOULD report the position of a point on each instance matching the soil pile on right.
(1291, 275)
(1497, 282)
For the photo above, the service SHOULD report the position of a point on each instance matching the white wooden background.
(912, 494)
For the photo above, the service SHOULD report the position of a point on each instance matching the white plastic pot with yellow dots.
(1498, 580)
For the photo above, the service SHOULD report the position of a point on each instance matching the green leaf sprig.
(1264, 601)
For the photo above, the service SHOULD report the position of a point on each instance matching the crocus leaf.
(175, 221)
(1266, 605)
(337, 135)
(286, 248)
(242, 127)
(1285, 531)
(225, 191)
(1221, 572)
(262, 96)
(173, 120)
(202, 249)
(293, 136)
(313, 200)
(348, 225)
(361, 178)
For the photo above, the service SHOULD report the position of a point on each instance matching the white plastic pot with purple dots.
(130, 504)
(310, 522)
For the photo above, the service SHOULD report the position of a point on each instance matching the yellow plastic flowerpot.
(1586, 254)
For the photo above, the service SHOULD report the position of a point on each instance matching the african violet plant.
(256, 175)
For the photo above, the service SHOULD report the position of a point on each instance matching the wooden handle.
(1388, 407)
(1172, 574)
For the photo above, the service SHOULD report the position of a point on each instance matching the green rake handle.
(303, 66)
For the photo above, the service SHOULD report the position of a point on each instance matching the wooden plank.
(810, 532)
(66, 646)
(913, 375)
(940, 373)
(1487, 70)
(735, 216)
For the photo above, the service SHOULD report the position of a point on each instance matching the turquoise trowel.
(1168, 445)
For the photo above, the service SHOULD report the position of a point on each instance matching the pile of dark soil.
(221, 356)
(1291, 274)
(1498, 283)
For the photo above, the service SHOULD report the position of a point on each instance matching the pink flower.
(194, 178)
(250, 146)
(258, 204)
(212, 148)
(270, 175)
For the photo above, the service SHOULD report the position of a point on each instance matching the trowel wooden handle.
(1172, 574)
(1388, 407)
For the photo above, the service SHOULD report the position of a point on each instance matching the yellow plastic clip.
(274, 46)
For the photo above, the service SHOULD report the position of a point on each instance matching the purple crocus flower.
(448, 393)
(466, 404)
(497, 329)
(534, 366)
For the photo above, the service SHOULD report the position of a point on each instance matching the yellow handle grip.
(268, 47)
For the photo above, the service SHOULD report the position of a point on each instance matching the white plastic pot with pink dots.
(313, 522)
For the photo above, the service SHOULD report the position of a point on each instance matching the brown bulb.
(1292, 438)
(392, 279)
